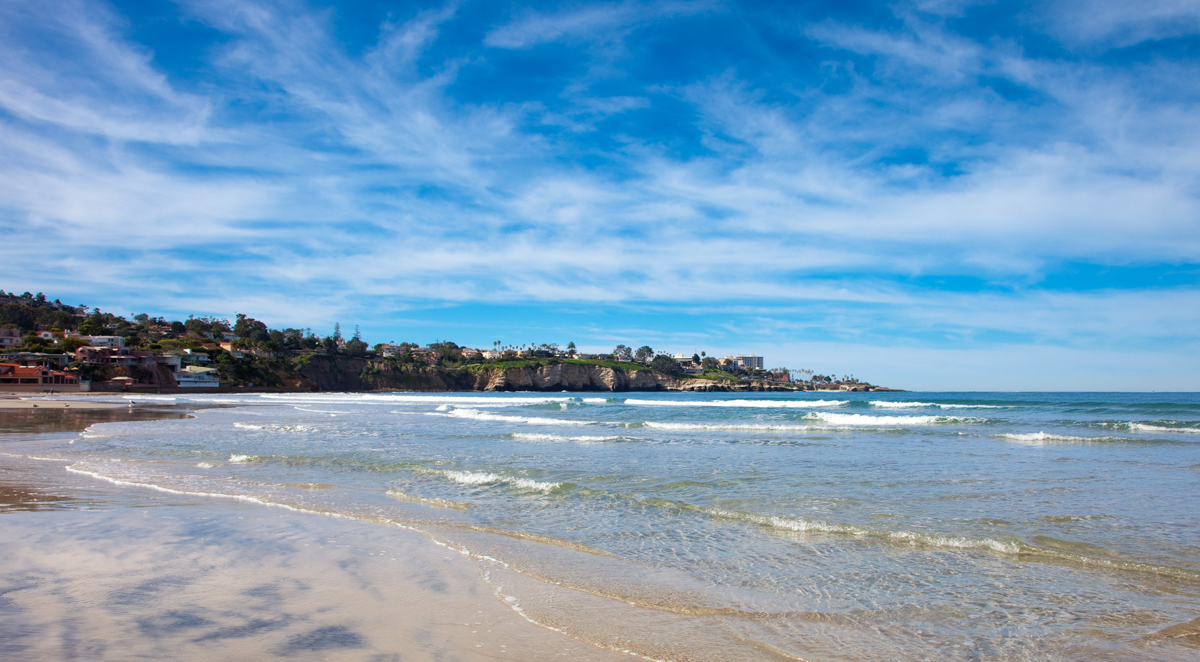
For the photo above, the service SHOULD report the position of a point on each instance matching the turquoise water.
(747, 526)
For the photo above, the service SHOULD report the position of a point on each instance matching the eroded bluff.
(350, 374)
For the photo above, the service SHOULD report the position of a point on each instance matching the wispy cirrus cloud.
(902, 180)
(595, 21)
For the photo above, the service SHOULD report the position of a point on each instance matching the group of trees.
(30, 313)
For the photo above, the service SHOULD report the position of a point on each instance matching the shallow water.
(763, 526)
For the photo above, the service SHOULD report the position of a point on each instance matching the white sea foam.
(205, 465)
(760, 404)
(915, 537)
(596, 401)
(487, 478)
(322, 411)
(1146, 427)
(1041, 438)
(886, 404)
(129, 482)
(523, 436)
(746, 427)
(269, 427)
(890, 421)
(240, 459)
(476, 415)
(411, 399)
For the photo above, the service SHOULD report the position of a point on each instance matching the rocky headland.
(324, 373)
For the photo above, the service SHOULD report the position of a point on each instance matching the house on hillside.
(747, 362)
(194, 376)
(15, 377)
(36, 358)
(9, 338)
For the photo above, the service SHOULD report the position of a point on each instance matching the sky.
(928, 194)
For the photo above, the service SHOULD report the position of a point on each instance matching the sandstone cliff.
(351, 374)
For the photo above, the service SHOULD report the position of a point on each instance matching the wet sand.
(13, 403)
(104, 572)
(110, 573)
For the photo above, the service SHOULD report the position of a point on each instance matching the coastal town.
(48, 346)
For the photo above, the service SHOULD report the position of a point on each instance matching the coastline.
(238, 487)
(51, 403)
(115, 572)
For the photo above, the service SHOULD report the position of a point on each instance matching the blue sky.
(930, 195)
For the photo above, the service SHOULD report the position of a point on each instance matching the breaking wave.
(488, 478)
(761, 404)
(1053, 550)
(886, 404)
(274, 428)
(1044, 438)
(1179, 427)
(410, 399)
(476, 415)
(524, 436)
(746, 427)
(893, 421)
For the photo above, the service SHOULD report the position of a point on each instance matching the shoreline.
(196, 578)
(12, 403)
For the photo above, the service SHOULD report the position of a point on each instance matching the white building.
(750, 362)
(194, 376)
(105, 341)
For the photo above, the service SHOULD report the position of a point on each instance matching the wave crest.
(488, 478)
(759, 404)
(476, 415)
(893, 421)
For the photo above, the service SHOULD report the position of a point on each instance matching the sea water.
(848, 526)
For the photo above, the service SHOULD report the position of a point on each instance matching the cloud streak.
(833, 173)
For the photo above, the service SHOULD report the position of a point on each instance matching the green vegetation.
(264, 356)
(505, 365)
(716, 375)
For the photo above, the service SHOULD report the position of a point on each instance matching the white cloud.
(598, 21)
(364, 174)
(88, 78)
(1113, 23)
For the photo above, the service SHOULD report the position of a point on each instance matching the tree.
(696, 359)
(644, 353)
(250, 329)
(571, 348)
(710, 363)
(35, 343)
(622, 351)
(356, 347)
(666, 365)
(69, 345)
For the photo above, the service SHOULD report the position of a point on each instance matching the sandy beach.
(688, 527)
(103, 572)
(19, 403)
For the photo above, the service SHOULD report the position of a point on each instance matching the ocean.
(718, 526)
